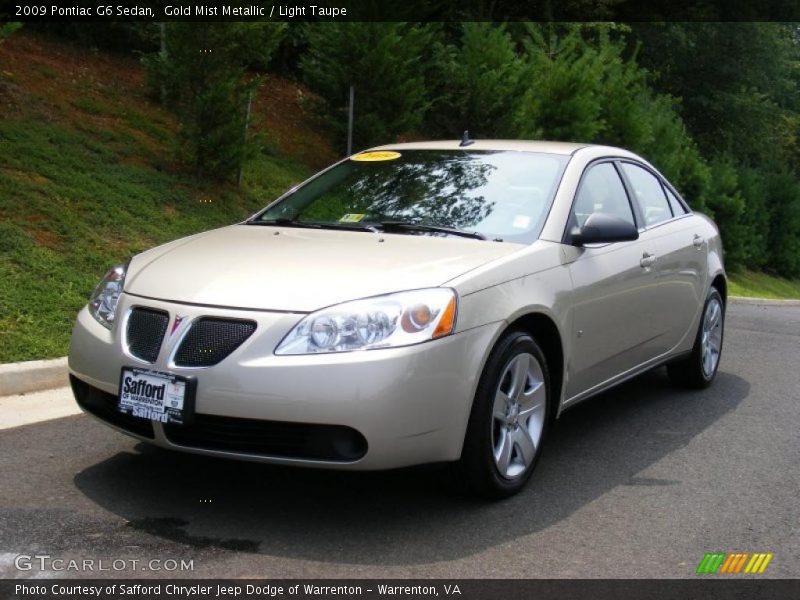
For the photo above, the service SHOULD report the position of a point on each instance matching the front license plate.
(154, 395)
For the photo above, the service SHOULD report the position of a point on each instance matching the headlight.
(104, 298)
(387, 321)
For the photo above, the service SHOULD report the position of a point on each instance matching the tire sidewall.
(478, 454)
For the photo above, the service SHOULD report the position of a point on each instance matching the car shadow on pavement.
(407, 516)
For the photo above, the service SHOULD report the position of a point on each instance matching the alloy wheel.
(711, 341)
(518, 415)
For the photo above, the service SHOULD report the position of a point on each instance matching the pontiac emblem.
(176, 324)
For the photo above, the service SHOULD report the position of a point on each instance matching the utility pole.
(350, 122)
(162, 28)
(244, 139)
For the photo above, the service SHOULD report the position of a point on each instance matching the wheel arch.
(721, 283)
(544, 330)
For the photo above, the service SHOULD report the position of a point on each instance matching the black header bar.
(400, 10)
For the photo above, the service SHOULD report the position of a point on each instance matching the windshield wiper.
(282, 221)
(388, 226)
(286, 222)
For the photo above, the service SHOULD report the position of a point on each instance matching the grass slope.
(760, 285)
(88, 177)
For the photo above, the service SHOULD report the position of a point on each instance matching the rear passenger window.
(674, 203)
(602, 191)
(649, 194)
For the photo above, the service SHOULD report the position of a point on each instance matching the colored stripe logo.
(734, 563)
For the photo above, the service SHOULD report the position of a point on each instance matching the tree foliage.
(465, 79)
(6, 29)
(739, 88)
(581, 87)
(385, 62)
(202, 76)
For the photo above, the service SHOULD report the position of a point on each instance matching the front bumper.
(410, 404)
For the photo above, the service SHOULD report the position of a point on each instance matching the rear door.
(679, 253)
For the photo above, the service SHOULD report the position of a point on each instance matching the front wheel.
(508, 421)
(700, 368)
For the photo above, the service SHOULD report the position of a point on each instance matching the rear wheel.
(508, 421)
(700, 368)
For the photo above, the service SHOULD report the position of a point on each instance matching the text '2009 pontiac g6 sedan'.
(414, 303)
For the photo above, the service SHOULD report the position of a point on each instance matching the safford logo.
(142, 391)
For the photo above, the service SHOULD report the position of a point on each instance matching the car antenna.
(465, 141)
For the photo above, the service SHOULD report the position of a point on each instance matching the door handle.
(648, 260)
(698, 241)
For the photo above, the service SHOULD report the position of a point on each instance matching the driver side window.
(601, 191)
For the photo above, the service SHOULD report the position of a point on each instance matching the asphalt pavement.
(640, 482)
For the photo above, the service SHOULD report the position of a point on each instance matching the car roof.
(519, 145)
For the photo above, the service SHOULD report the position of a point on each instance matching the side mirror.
(602, 228)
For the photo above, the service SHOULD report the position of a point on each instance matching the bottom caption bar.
(368, 589)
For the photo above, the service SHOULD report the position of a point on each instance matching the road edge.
(763, 301)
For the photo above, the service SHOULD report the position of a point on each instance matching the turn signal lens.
(448, 320)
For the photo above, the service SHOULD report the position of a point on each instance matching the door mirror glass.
(602, 228)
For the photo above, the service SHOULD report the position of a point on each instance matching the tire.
(508, 422)
(699, 370)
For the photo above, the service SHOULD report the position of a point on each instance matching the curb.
(763, 301)
(33, 376)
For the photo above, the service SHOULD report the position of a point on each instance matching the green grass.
(760, 285)
(46, 71)
(90, 106)
(75, 200)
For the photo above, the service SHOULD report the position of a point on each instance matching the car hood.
(300, 270)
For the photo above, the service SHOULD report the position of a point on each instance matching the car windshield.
(500, 195)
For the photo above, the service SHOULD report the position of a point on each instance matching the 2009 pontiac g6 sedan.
(414, 303)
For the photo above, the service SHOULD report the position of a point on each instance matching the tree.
(385, 62)
(580, 87)
(476, 83)
(202, 76)
(784, 228)
(738, 83)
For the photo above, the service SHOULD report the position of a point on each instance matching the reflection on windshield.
(439, 193)
(503, 195)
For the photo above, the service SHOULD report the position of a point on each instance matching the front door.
(613, 289)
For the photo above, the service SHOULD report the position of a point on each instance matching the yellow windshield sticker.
(351, 218)
(375, 156)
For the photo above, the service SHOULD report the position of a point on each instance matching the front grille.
(104, 405)
(269, 438)
(145, 332)
(210, 340)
